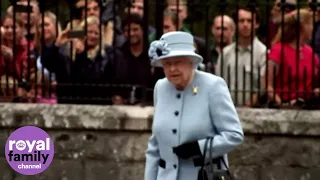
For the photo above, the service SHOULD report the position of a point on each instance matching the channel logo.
(29, 150)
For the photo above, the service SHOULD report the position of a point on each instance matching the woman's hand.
(6, 51)
(63, 38)
(278, 99)
(78, 45)
(187, 150)
(274, 97)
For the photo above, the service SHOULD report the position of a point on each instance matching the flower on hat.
(158, 49)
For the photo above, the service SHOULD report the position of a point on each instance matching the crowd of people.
(43, 62)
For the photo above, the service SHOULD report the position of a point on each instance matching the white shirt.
(238, 77)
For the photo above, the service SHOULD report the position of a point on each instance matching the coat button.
(176, 113)
(174, 131)
(174, 166)
(178, 96)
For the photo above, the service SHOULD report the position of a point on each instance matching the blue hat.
(173, 44)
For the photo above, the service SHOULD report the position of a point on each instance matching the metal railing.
(239, 47)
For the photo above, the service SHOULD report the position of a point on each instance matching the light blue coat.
(209, 112)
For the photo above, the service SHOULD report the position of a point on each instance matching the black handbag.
(207, 171)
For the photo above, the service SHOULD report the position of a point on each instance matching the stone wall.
(100, 142)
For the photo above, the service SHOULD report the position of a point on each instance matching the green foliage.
(4, 4)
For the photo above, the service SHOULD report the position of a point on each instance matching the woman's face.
(93, 35)
(178, 70)
(48, 28)
(34, 15)
(9, 31)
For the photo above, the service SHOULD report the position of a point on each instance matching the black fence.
(96, 51)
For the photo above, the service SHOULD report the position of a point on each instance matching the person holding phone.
(110, 25)
(76, 57)
(29, 14)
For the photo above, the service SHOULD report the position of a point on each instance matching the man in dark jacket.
(133, 65)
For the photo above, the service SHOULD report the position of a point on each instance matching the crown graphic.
(21, 145)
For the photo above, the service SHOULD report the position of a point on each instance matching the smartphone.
(23, 8)
(76, 34)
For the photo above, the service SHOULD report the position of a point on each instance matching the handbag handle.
(210, 156)
(204, 156)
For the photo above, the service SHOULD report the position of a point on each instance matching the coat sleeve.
(152, 154)
(224, 117)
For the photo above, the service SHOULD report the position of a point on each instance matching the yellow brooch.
(195, 90)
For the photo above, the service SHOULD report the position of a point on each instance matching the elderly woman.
(190, 105)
